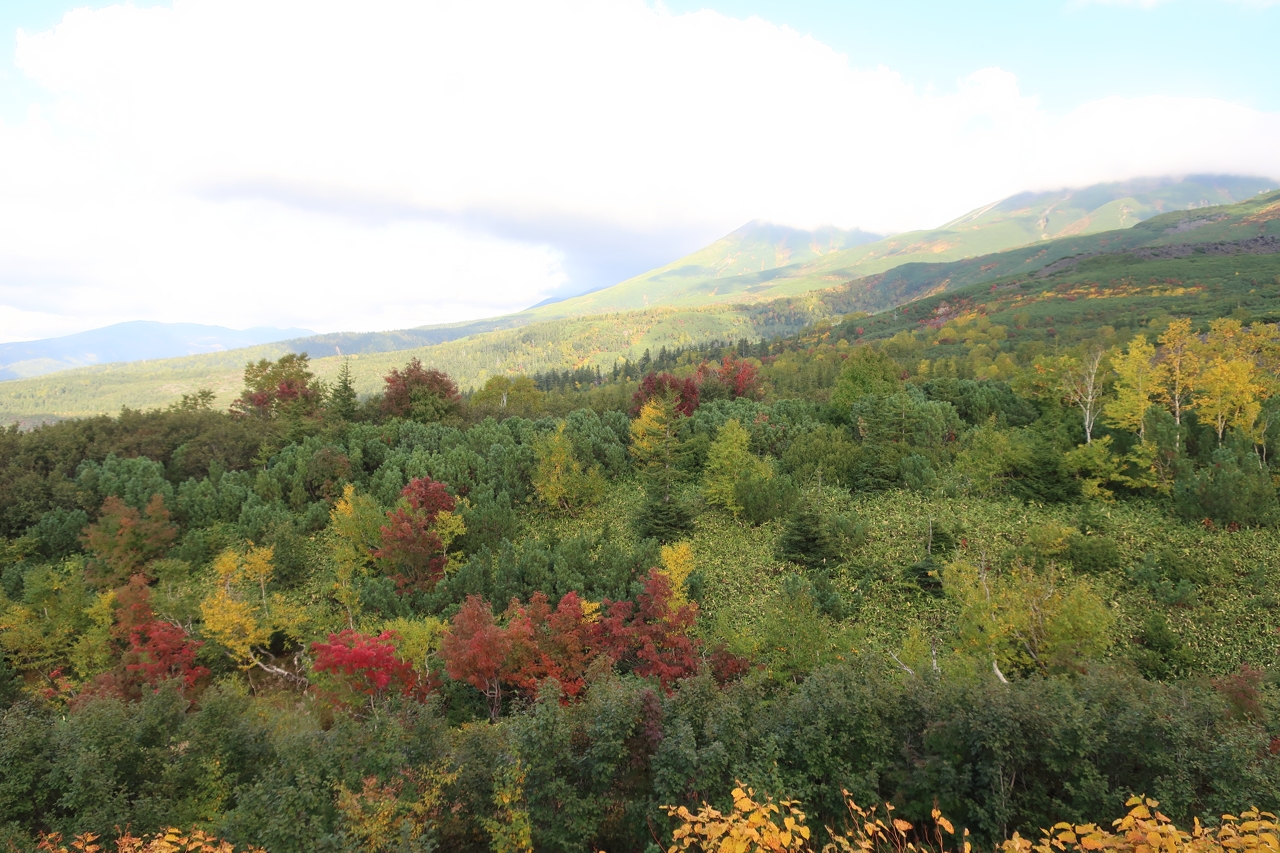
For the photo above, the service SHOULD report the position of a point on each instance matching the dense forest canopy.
(1008, 551)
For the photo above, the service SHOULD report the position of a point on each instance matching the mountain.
(133, 341)
(774, 266)
(1171, 262)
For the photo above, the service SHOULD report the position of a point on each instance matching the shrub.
(1235, 488)
(764, 498)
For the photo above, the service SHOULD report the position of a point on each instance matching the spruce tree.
(806, 539)
(342, 400)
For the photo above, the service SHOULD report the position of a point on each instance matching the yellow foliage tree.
(1135, 386)
(1178, 368)
(241, 616)
(354, 524)
(1227, 394)
(728, 460)
(677, 564)
(653, 435)
(561, 481)
(1028, 620)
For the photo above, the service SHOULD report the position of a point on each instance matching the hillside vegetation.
(1215, 241)
(1006, 554)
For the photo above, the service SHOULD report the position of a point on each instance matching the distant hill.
(760, 261)
(133, 341)
(1236, 246)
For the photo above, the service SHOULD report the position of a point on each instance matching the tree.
(284, 387)
(342, 399)
(732, 378)
(151, 650)
(650, 636)
(807, 539)
(1226, 394)
(365, 666)
(505, 397)
(729, 459)
(1177, 370)
(123, 540)
(653, 434)
(1135, 386)
(559, 479)
(355, 527)
(681, 394)
(549, 643)
(415, 540)
(1080, 382)
(475, 650)
(420, 394)
(242, 617)
(866, 371)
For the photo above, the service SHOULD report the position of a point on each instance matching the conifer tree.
(342, 400)
(806, 539)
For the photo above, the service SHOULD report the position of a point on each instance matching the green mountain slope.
(1027, 218)
(1244, 237)
(762, 261)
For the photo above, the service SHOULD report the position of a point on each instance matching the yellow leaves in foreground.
(769, 827)
(751, 826)
(167, 841)
(1145, 830)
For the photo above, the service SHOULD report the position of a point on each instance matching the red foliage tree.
(683, 392)
(420, 393)
(281, 387)
(549, 643)
(124, 540)
(650, 636)
(476, 650)
(366, 666)
(151, 651)
(410, 545)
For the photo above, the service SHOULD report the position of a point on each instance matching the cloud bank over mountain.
(390, 163)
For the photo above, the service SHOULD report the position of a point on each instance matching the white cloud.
(388, 163)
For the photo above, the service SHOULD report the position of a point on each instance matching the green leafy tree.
(729, 460)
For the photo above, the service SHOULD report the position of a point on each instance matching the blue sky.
(268, 162)
(1064, 52)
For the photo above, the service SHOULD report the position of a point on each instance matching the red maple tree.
(420, 393)
(650, 636)
(548, 643)
(150, 650)
(476, 650)
(361, 665)
(684, 392)
(410, 545)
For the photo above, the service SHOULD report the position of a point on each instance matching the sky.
(392, 163)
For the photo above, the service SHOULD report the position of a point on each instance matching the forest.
(1002, 558)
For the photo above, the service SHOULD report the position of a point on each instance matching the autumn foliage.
(362, 665)
(648, 636)
(420, 393)
(150, 650)
(123, 540)
(411, 544)
(684, 393)
(738, 377)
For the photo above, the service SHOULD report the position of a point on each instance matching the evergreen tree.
(806, 539)
(664, 516)
(342, 400)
